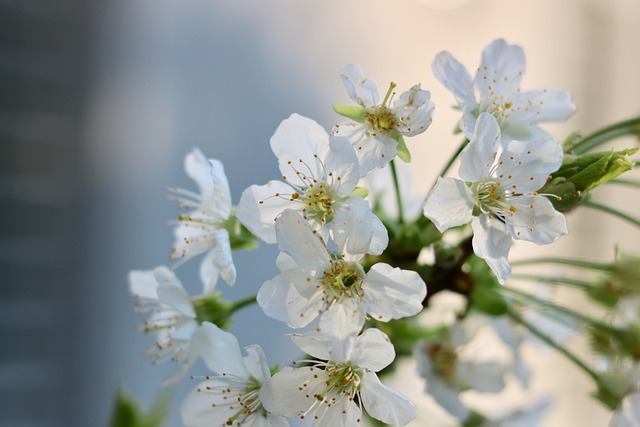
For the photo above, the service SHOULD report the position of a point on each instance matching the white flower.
(374, 137)
(502, 194)
(497, 91)
(315, 281)
(319, 178)
(203, 228)
(172, 319)
(447, 373)
(329, 390)
(231, 398)
(628, 413)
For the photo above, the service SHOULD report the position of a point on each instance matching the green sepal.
(360, 192)
(403, 151)
(212, 309)
(486, 296)
(240, 238)
(127, 412)
(357, 113)
(579, 174)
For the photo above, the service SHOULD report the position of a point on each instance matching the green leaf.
(356, 113)
(127, 412)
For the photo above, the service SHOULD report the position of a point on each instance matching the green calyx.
(212, 309)
(579, 174)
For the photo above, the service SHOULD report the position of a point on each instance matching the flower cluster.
(352, 278)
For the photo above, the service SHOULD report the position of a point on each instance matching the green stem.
(613, 212)
(453, 158)
(559, 280)
(628, 182)
(550, 342)
(563, 310)
(396, 184)
(564, 261)
(599, 137)
(237, 305)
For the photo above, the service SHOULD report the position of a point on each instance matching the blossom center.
(380, 119)
(444, 359)
(342, 280)
(491, 199)
(319, 200)
(343, 378)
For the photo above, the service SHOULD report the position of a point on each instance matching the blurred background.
(101, 100)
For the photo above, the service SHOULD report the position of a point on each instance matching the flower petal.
(393, 293)
(384, 403)
(536, 220)
(256, 363)
(341, 166)
(373, 151)
(219, 350)
(492, 242)
(373, 350)
(479, 155)
(314, 344)
(455, 77)
(361, 90)
(526, 165)
(292, 392)
(260, 205)
(343, 318)
(172, 293)
(198, 169)
(273, 295)
(500, 71)
(485, 377)
(413, 111)
(297, 239)
(221, 196)
(143, 284)
(300, 143)
(449, 204)
(208, 274)
(222, 257)
(546, 105)
(355, 229)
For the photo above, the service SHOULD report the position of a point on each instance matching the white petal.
(535, 106)
(479, 155)
(208, 274)
(304, 302)
(447, 397)
(373, 151)
(197, 410)
(354, 226)
(198, 169)
(272, 296)
(300, 143)
(527, 165)
(143, 284)
(296, 238)
(219, 350)
(172, 293)
(259, 217)
(393, 293)
(222, 257)
(455, 77)
(536, 220)
(256, 363)
(485, 377)
(345, 317)
(221, 194)
(384, 403)
(285, 262)
(291, 392)
(343, 413)
(373, 350)
(361, 90)
(500, 72)
(379, 236)
(492, 242)
(414, 111)
(342, 166)
(449, 204)
(314, 344)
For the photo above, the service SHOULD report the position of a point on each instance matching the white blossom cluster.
(329, 289)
